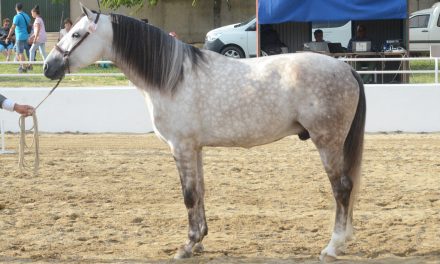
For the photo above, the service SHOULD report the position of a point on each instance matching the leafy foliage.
(113, 4)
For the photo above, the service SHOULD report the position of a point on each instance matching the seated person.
(319, 36)
(270, 41)
(361, 35)
(6, 48)
(67, 26)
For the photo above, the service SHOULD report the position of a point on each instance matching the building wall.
(190, 23)
(414, 5)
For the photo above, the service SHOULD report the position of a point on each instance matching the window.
(420, 21)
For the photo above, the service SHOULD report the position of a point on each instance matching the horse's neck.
(130, 74)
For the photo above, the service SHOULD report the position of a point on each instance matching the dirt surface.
(117, 199)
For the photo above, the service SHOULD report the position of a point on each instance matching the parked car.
(237, 40)
(424, 28)
(240, 40)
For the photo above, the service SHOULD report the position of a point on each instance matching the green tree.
(114, 4)
(217, 4)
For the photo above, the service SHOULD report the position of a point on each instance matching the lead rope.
(35, 138)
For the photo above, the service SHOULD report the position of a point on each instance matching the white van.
(237, 40)
(424, 28)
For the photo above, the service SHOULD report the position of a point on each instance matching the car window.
(420, 21)
(252, 27)
(245, 22)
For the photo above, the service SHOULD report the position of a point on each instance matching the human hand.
(7, 41)
(24, 110)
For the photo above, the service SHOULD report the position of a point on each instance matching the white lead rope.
(35, 138)
(23, 145)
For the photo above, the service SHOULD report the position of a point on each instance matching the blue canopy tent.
(386, 19)
(292, 19)
(279, 11)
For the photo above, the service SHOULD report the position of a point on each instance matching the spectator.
(319, 36)
(173, 34)
(361, 35)
(4, 31)
(8, 104)
(67, 26)
(38, 37)
(19, 26)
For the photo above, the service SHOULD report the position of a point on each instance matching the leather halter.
(66, 53)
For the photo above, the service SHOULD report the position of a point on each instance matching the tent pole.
(257, 28)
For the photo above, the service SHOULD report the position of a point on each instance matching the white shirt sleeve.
(8, 104)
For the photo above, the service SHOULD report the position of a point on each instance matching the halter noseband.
(66, 53)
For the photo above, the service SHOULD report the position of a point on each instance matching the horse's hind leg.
(333, 159)
(198, 248)
(189, 164)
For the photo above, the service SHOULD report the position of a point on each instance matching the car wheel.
(233, 52)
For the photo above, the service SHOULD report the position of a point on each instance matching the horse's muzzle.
(54, 69)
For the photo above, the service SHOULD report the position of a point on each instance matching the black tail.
(354, 143)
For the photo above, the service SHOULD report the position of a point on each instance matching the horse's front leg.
(189, 165)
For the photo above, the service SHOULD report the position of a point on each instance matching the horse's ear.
(87, 12)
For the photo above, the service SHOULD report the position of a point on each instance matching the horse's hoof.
(349, 237)
(182, 254)
(199, 248)
(325, 258)
(341, 250)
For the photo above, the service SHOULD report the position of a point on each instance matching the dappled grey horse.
(199, 98)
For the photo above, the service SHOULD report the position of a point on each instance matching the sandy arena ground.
(117, 199)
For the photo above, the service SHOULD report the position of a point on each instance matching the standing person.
(19, 26)
(39, 35)
(4, 31)
(67, 26)
(8, 104)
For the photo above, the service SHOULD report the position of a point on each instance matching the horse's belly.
(244, 135)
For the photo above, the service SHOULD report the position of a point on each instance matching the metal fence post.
(436, 69)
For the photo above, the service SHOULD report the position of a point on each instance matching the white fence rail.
(346, 59)
(114, 74)
(400, 71)
(391, 107)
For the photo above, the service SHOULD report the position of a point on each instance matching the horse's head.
(87, 41)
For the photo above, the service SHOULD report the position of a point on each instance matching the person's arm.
(36, 31)
(2, 99)
(6, 103)
(10, 105)
(10, 33)
(350, 43)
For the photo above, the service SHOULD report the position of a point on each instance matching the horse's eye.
(75, 35)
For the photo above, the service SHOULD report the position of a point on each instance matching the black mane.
(151, 53)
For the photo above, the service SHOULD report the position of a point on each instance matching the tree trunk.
(217, 12)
